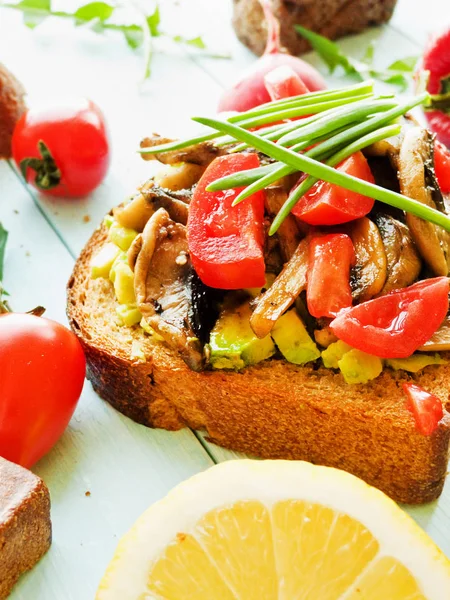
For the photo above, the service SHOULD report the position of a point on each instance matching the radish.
(436, 60)
(250, 90)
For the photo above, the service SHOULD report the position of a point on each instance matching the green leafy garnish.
(98, 16)
(398, 73)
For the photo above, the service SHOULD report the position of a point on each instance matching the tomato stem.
(48, 175)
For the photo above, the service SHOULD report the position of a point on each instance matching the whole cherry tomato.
(62, 150)
(42, 369)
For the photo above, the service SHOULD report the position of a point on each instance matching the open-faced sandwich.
(282, 283)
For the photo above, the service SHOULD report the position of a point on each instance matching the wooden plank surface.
(123, 465)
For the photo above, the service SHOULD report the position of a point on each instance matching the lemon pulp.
(291, 550)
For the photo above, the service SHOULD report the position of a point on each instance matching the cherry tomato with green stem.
(63, 150)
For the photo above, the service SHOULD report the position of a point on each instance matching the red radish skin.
(250, 90)
(436, 60)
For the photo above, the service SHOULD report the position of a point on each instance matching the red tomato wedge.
(330, 259)
(329, 204)
(425, 407)
(395, 325)
(226, 242)
(283, 82)
(442, 166)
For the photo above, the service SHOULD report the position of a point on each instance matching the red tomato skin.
(77, 137)
(42, 369)
(225, 242)
(425, 407)
(329, 204)
(395, 325)
(283, 82)
(328, 288)
(442, 166)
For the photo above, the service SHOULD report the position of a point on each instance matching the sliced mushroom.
(370, 272)
(179, 177)
(200, 154)
(415, 159)
(148, 200)
(288, 234)
(162, 277)
(403, 260)
(440, 340)
(270, 305)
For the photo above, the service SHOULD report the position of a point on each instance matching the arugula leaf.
(153, 22)
(197, 42)
(3, 239)
(133, 35)
(41, 5)
(399, 79)
(329, 52)
(407, 64)
(100, 11)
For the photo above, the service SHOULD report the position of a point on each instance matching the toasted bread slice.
(270, 410)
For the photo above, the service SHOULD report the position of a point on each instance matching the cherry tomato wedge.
(283, 82)
(42, 368)
(328, 289)
(62, 150)
(226, 242)
(395, 325)
(442, 166)
(425, 407)
(329, 204)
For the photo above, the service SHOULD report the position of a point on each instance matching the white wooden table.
(106, 469)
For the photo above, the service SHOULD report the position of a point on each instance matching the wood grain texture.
(125, 466)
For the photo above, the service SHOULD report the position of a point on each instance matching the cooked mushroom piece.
(179, 177)
(200, 154)
(288, 234)
(370, 272)
(270, 305)
(414, 161)
(440, 340)
(402, 258)
(149, 199)
(163, 283)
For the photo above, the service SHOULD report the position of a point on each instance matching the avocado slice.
(121, 236)
(333, 354)
(292, 339)
(102, 262)
(233, 345)
(358, 367)
(415, 363)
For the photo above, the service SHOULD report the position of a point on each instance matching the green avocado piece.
(128, 314)
(123, 279)
(333, 354)
(233, 345)
(358, 367)
(121, 236)
(102, 262)
(415, 363)
(292, 339)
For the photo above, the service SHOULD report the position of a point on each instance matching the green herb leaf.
(100, 11)
(154, 21)
(41, 5)
(3, 239)
(329, 52)
(368, 55)
(399, 79)
(134, 35)
(197, 42)
(407, 64)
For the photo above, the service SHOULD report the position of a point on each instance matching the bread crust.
(331, 18)
(25, 527)
(270, 410)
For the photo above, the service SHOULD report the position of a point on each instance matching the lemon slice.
(275, 530)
